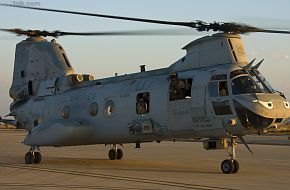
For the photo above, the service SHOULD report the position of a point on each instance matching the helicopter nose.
(261, 115)
(251, 120)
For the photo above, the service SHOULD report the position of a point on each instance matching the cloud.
(254, 53)
(279, 56)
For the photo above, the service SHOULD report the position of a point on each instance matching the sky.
(104, 56)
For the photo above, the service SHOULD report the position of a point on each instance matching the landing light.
(232, 122)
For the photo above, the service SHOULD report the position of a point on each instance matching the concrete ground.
(168, 165)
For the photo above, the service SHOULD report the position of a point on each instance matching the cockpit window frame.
(219, 89)
(264, 82)
(244, 72)
(218, 85)
(251, 80)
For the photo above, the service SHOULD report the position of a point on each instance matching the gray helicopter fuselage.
(105, 111)
(182, 101)
(121, 123)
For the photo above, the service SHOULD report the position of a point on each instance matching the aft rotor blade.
(167, 32)
(57, 33)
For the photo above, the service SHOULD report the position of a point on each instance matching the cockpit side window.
(223, 88)
(218, 86)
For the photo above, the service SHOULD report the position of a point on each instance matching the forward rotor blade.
(254, 29)
(108, 16)
(227, 27)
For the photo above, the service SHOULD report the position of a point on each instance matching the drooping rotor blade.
(20, 32)
(57, 33)
(227, 27)
(166, 32)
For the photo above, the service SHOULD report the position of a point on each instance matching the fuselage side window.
(93, 109)
(179, 88)
(142, 103)
(109, 108)
(222, 108)
(30, 88)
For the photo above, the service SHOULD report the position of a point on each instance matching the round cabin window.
(93, 109)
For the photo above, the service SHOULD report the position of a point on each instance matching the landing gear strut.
(231, 165)
(115, 153)
(33, 156)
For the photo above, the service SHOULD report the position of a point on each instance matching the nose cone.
(262, 111)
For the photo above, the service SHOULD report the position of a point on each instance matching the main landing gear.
(231, 166)
(33, 156)
(115, 153)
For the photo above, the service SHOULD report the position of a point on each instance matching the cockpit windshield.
(261, 81)
(245, 82)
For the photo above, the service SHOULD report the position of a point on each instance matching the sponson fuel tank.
(60, 133)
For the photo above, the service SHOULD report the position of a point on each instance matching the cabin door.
(198, 92)
(179, 104)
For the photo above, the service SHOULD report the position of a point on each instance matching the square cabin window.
(142, 103)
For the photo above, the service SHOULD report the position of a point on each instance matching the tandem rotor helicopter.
(212, 93)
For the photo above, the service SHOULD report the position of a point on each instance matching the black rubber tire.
(227, 166)
(119, 154)
(29, 158)
(236, 166)
(112, 154)
(37, 158)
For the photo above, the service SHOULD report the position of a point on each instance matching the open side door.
(179, 103)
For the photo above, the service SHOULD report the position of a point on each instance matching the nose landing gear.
(231, 166)
(33, 156)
